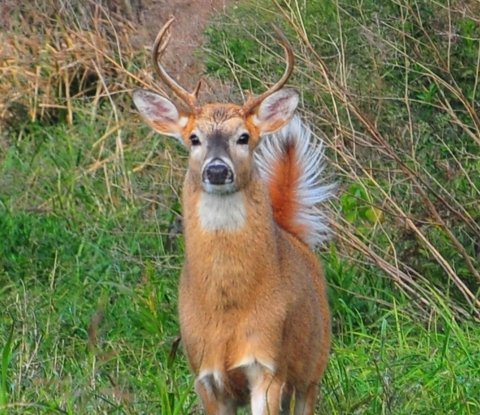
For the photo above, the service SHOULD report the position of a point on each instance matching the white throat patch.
(221, 212)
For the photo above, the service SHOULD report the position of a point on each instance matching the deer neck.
(229, 237)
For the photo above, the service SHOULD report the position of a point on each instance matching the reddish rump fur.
(282, 189)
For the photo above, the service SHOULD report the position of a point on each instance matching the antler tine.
(253, 102)
(159, 47)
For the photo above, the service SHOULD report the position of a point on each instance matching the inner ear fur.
(160, 113)
(276, 110)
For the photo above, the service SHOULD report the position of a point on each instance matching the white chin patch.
(224, 212)
(219, 189)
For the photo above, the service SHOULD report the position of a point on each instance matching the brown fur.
(282, 192)
(257, 291)
(253, 309)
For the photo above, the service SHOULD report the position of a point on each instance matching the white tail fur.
(308, 188)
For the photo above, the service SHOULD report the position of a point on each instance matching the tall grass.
(392, 88)
(90, 242)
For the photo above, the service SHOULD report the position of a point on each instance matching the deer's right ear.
(160, 113)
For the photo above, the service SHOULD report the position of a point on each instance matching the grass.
(90, 248)
(398, 117)
(88, 289)
(99, 341)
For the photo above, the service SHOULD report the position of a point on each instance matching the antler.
(253, 102)
(158, 48)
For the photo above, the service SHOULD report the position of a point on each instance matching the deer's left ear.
(276, 110)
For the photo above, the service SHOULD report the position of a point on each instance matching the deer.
(253, 309)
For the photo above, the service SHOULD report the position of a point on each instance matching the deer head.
(221, 138)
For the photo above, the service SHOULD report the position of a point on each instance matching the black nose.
(217, 173)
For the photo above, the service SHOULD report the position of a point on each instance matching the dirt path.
(191, 18)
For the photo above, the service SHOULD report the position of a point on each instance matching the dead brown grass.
(52, 57)
(441, 208)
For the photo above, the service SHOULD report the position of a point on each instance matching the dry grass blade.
(360, 131)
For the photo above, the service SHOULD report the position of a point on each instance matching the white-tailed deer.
(253, 309)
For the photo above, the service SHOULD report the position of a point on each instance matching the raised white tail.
(292, 166)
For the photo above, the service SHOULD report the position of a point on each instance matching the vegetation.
(90, 246)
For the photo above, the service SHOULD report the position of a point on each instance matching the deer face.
(221, 149)
(221, 138)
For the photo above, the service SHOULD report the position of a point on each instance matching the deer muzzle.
(217, 176)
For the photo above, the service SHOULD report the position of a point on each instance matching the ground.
(182, 58)
(191, 19)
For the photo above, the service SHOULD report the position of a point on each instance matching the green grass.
(90, 252)
(88, 293)
(88, 300)
(395, 99)
(376, 82)
(92, 336)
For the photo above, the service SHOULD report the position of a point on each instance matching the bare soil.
(191, 18)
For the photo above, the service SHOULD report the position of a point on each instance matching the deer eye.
(194, 140)
(243, 139)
